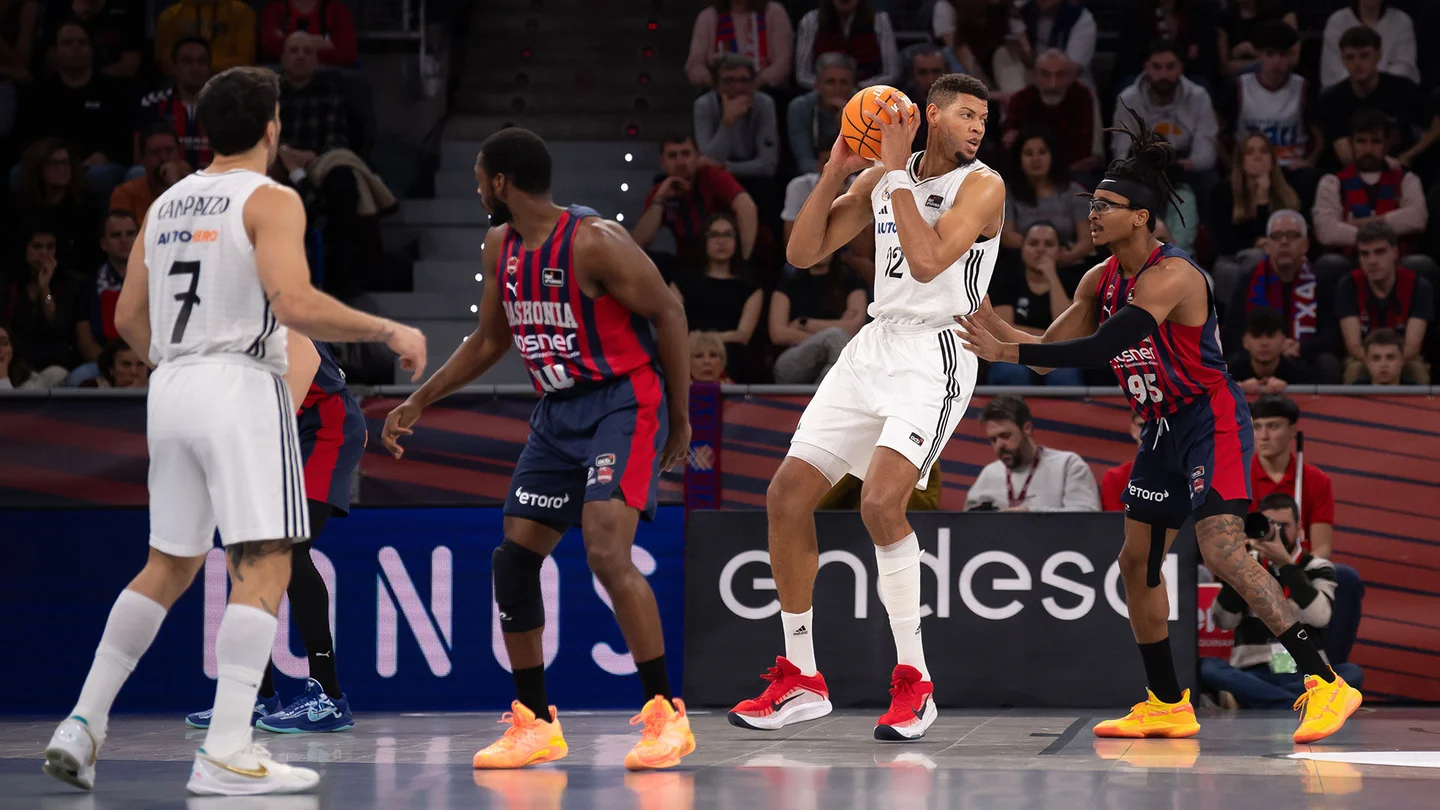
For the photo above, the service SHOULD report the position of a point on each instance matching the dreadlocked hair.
(1149, 162)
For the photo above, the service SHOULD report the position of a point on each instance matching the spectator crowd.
(1306, 170)
(98, 118)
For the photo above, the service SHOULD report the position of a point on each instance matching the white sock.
(900, 593)
(799, 639)
(242, 648)
(133, 623)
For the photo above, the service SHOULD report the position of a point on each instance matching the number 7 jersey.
(205, 292)
(960, 288)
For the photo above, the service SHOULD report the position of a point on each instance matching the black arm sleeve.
(1122, 330)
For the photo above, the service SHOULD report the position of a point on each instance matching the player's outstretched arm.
(979, 202)
(132, 308)
(830, 219)
(275, 218)
(483, 349)
(615, 262)
(303, 362)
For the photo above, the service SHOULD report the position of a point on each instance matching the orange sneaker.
(1327, 707)
(528, 741)
(1153, 718)
(666, 737)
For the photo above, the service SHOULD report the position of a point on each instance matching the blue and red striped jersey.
(1177, 363)
(329, 379)
(564, 335)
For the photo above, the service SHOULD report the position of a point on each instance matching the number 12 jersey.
(205, 292)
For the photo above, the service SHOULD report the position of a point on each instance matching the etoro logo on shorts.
(542, 501)
(1148, 495)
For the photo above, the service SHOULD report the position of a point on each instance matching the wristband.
(899, 179)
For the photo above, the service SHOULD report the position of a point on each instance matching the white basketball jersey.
(960, 288)
(205, 293)
(1277, 114)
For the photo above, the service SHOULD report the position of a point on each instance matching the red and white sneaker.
(912, 707)
(790, 698)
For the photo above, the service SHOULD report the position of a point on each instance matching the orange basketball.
(860, 133)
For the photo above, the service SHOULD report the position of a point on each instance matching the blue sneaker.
(313, 711)
(263, 706)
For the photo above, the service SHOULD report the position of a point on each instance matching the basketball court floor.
(1387, 759)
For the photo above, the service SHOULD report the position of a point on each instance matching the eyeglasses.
(720, 235)
(1286, 236)
(1101, 207)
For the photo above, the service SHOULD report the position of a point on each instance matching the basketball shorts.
(592, 445)
(896, 386)
(1206, 444)
(332, 439)
(223, 453)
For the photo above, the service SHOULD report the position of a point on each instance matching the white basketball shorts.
(223, 452)
(897, 386)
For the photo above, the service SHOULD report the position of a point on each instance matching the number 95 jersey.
(956, 291)
(205, 293)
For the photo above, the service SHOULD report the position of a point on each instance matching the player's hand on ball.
(409, 343)
(897, 134)
(844, 160)
(677, 445)
(975, 337)
(397, 424)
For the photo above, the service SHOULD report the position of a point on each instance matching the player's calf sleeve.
(899, 565)
(310, 605)
(1157, 556)
(242, 649)
(516, 572)
(133, 623)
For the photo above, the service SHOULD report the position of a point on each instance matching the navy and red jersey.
(1176, 364)
(565, 336)
(164, 106)
(332, 434)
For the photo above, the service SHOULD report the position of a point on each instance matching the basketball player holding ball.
(901, 386)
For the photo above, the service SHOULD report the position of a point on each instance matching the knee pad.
(516, 572)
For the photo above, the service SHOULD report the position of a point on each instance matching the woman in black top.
(1032, 301)
(1241, 207)
(719, 296)
(814, 313)
(39, 305)
(52, 197)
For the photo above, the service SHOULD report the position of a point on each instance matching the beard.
(1164, 87)
(1370, 163)
(500, 213)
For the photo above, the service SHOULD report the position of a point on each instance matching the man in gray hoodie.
(1176, 107)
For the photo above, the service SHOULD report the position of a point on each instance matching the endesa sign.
(1018, 609)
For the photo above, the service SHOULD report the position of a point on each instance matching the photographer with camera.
(1260, 673)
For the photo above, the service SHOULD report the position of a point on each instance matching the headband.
(1139, 194)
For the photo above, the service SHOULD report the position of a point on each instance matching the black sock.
(267, 682)
(530, 690)
(310, 605)
(1306, 655)
(654, 680)
(1160, 670)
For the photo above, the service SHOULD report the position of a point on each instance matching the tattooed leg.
(259, 573)
(1223, 546)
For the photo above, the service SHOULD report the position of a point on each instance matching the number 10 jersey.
(956, 291)
(205, 292)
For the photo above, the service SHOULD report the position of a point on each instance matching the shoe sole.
(907, 733)
(193, 724)
(261, 725)
(210, 790)
(665, 763)
(1158, 734)
(63, 765)
(538, 758)
(782, 718)
(1349, 710)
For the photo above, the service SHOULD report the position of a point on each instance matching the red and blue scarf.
(1295, 300)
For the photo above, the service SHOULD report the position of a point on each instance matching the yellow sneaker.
(1327, 707)
(528, 741)
(666, 737)
(1154, 718)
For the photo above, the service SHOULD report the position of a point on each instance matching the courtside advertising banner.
(412, 609)
(1022, 610)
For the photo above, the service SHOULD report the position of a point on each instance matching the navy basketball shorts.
(332, 439)
(593, 445)
(1205, 445)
